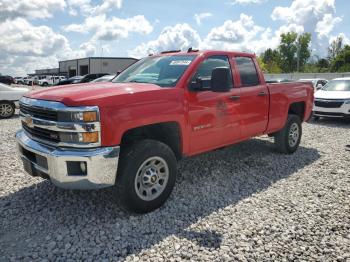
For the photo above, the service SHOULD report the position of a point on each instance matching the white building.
(94, 65)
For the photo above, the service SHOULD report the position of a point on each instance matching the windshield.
(337, 85)
(164, 71)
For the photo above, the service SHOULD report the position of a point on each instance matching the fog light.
(76, 168)
(83, 167)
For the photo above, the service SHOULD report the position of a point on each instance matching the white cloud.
(240, 35)
(111, 28)
(326, 25)
(235, 31)
(346, 40)
(25, 47)
(87, 8)
(247, 2)
(199, 17)
(180, 36)
(311, 14)
(31, 9)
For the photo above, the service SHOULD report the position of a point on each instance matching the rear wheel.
(146, 176)
(7, 109)
(45, 84)
(288, 139)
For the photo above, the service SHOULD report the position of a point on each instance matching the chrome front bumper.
(55, 163)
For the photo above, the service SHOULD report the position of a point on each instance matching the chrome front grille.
(38, 112)
(47, 122)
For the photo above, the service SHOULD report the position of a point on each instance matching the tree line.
(295, 55)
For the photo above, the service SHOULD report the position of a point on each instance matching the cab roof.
(204, 52)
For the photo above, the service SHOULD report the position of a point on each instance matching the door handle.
(262, 93)
(234, 98)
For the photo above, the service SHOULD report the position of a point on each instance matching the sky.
(36, 34)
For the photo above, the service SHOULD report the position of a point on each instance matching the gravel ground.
(243, 203)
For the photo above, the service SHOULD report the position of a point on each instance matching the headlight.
(88, 137)
(89, 116)
(87, 121)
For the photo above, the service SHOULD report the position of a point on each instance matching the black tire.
(284, 142)
(132, 158)
(45, 84)
(7, 110)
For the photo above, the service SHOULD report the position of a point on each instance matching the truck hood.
(322, 94)
(92, 93)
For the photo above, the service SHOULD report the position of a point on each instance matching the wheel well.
(298, 109)
(167, 133)
(8, 101)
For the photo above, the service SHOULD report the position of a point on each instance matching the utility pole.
(298, 55)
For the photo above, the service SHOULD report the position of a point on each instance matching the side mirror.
(221, 80)
(197, 85)
(319, 86)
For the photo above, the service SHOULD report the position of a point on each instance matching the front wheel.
(146, 176)
(288, 139)
(7, 109)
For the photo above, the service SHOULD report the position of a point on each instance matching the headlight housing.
(87, 116)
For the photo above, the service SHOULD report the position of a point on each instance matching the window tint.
(206, 68)
(247, 71)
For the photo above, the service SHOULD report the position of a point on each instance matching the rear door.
(213, 116)
(254, 98)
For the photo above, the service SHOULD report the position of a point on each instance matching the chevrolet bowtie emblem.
(29, 121)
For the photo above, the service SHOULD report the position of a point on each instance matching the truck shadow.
(36, 215)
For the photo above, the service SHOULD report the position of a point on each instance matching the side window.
(247, 71)
(206, 68)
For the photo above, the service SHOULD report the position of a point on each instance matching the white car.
(18, 80)
(51, 80)
(9, 97)
(333, 100)
(318, 83)
(37, 78)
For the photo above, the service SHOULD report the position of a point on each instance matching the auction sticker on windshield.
(180, 62)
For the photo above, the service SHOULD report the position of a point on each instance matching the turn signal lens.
(90, 116)
(90, 137)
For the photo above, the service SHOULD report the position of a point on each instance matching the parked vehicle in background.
(72, 80)
(18, 80)
(8, 80)
(51, 80)
(28, 80)
(278, 81)
(318, 83)
(90, 77)
(106, 78)
(158, 110)
(333, 100)
(9, 97)
(37, 78)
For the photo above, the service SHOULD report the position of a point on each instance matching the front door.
(213, 116)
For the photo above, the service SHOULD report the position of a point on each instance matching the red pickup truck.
(130, 133)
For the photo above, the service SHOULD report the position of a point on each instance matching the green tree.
(303, 52)
(335, 48)
(262, 65)
(288, 50)
(341, 63)
(271, 60)
(294, 50)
